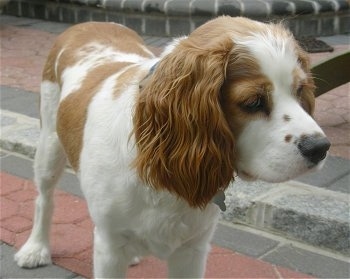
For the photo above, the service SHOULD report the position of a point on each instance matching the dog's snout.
(314, 147)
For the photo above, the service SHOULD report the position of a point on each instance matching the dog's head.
(234, 96)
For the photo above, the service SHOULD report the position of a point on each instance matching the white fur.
(265, 154)
(48, 166)
(133, 219)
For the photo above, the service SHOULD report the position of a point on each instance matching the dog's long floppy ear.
(184, 142)
(307, 97)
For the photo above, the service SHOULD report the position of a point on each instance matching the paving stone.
(229, 7)
(27, 193)
(319, 220)
(342, 184)
(334, 168)
(69, 209)
(112, 4)
(18, 166)
(9, 183)
(178, 8)
(9, 269)
(281, 8)
(18, 21)
(303, 7)
(16, 224)
(98, 15)
(326, 5)
(242, 241)
(7, 237)
(240, 196)
(179, 27)
(24, 168)
(51, 27)
(154, 6)
(203, 8)
(132, 6)
(256, 9)
(243, 267)
(311, 263)
(155, 26)
(8, 208)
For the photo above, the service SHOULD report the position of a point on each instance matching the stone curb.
(307, 213)
(295, 210)
(179, 17)
(250, 8)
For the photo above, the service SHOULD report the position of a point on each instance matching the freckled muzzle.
(313, 147)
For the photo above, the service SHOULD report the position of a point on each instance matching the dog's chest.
(161, 231)
(152, 222)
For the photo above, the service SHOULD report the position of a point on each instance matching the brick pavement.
(22, 57)
(71, 238)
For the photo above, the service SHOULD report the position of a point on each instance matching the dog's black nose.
(314, 147)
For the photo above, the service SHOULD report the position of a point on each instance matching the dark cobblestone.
(281, 8)
(256, 9)
(154, 6)
(132, 6)
(177, 17)
(228, 7)
(203, 8)
(304, 7)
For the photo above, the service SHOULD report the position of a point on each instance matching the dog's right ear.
(184, 142)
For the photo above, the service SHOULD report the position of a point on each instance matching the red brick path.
(71, 237)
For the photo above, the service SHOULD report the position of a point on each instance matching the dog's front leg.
(110, 255)
(187, 262)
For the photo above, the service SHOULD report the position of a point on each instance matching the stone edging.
(250, 8)
(180, 17)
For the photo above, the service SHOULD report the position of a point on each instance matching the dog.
(154, 139)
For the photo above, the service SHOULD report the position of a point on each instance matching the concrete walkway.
(313, 242)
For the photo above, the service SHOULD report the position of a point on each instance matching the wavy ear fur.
(184, 142)
(307, 98)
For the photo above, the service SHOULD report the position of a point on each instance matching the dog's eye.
(254, 104)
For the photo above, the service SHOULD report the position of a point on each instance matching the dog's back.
(78, 64)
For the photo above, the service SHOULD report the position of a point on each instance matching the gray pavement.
(9, 268)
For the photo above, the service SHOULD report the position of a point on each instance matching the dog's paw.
(33, 255)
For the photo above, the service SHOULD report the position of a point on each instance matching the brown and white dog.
(154, 139)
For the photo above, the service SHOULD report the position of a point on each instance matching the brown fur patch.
(126, 77)
(75, 44)
(288, 138)
(72, 111)
(64, 52)
(240, 91)
(184, 142)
